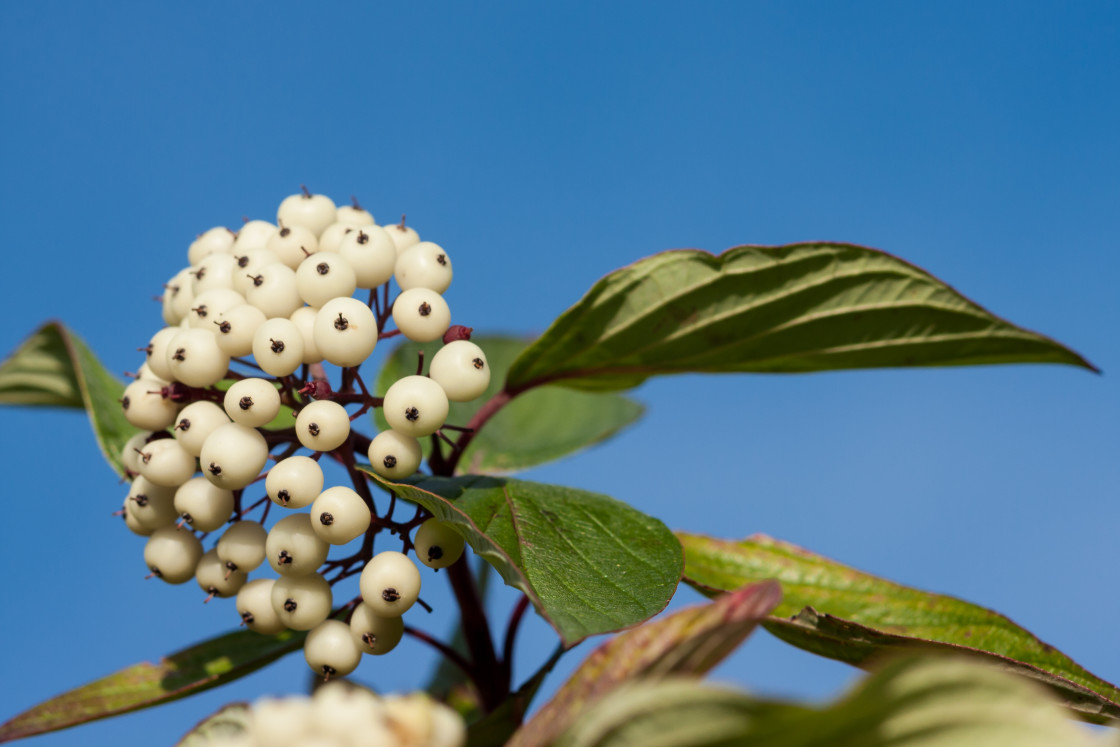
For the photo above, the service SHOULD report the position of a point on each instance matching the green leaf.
(531, 429)
(845, 614)
(688, 642)
(590, 564)
(770, 309)
(55, 368)
(200, 667)
(932, 702)
(229, 721)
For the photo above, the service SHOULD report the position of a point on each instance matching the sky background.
(543, 146)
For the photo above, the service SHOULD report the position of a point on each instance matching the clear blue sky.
(545, 145)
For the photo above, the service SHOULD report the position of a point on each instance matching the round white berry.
(313, 212)
(423, 265)
(172, 554)
(273, 291)
(151, 506)
(242, 546)
(278, 346)
(371, 253)
(215, 579)
(415, 406)
(214, 272)
(394, 455)
(254, 604)
(203, 505)
(293, 548)
(461, 368)
(354, 215)
(195, 422)
(157, 352)
(373, 634)
(232, 455)
(217, 240)
(330, 651)
(324, 276)
(331, 236)
(304, 319)
(165, 462)
(421, 314)
(177, 296)
(132, 523)
(390, 583)
(339, 515)
(292, 244)
(145, 406)
(403, 236)
(253, 235)
(252, 402)
(209, 305)
(323, 425)
(195, 359)
(234, 329)
(345, 331)
(247, 266)
(437, 544)
(294, 482)
(301, 602)
(130, 455)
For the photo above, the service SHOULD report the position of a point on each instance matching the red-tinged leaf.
(845, 614)
(688, 642)
(192, 670)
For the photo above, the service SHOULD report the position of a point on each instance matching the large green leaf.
(688, 642)
(934, 702)
(770, 309)
(531, 429)
(192, 670)
(54, 367)
(845, 614)
(590, 564)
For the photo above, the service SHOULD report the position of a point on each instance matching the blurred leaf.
(230, 721)
(533, 428)
(690, 641)
(55, 368)
(845, 614)
(770, 309)
(931, 702)
(590, 564)
(200, 667)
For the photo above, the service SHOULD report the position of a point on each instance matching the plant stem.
(493, 683)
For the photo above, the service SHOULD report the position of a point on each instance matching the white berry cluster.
(343, 715)
(236, 386)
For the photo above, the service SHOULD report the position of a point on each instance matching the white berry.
(345, 331)
(323, 425)
(252, 402)
(415, 406)
(394, 455)
(390, 583)
(294, 482)
(421, 314)
(461, 369)
(302, 602)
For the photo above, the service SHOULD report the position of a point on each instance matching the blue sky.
(545, 146)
